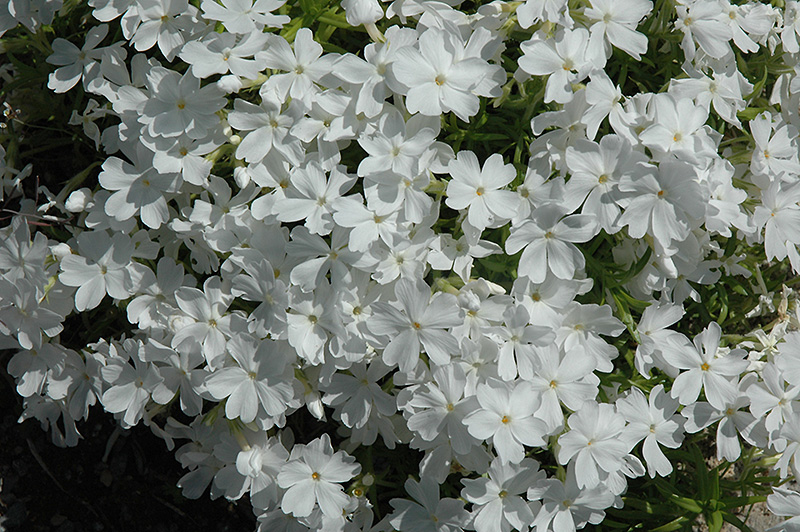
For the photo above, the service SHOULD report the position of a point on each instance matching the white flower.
(440, 406)
(423, 320)
(678, 129)
(479, 189)
(205, 308)
(706, 370)
(313, 476)
(313, 196)
(131, 385)
(358, 396)
(723, 90)
(437, 77)
(596, 172)
(616, 20)
(548, 240)
(594, 443)
(221, 53)
(166, 22)
(430, 513)
(497, 506)
(259, 383)
(101, 268)
(304, 66)
(177, 104)
(704, 22)
(567, 379)
(566, 59)
(25, 317)
(78, 63)
(138, 189)
(786, 503)
(771, 400)
(654, 420)
(664, 204)
(568, 506)
(776, 148)
(267, 126)
(506, 416)
(395, 144)
(245, 17)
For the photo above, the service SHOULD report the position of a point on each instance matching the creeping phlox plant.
(421, 265)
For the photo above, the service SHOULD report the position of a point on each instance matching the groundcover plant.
(416, 265)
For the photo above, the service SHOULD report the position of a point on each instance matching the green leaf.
(735, 521)
(715, 521)
(675, 524)
(687, 504)
(736, 502)
(750, 113)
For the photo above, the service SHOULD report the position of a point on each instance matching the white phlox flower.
(167, 23)
(138, 189)
(549, 239)
(244, 16)
(208, 324)
(76, 64)
(177, 104)
(653, 419)
(665, 203)
(100, 269)
(786, 503)
(480, 190)
(130, 385)
(772, 400)
(221, 54)
(565, 379)
(395, 145)
(256, 385)
(313, 475)
(312, 196)
(703, 23)
(358, 396)
(430, 513)
(706, 370)
(594, 442)
(566, 59)
(497, 505)
(655, 338)
(420, 319)
(733, 422)
(439, 407)
(506, 416)
(568, 506)
(303, 63)
(437, 77)
(615, 22)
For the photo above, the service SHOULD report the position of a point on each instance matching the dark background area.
(47, 488)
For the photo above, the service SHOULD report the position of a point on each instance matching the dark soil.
(47, 488)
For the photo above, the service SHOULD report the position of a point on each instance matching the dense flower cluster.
(264, 274)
